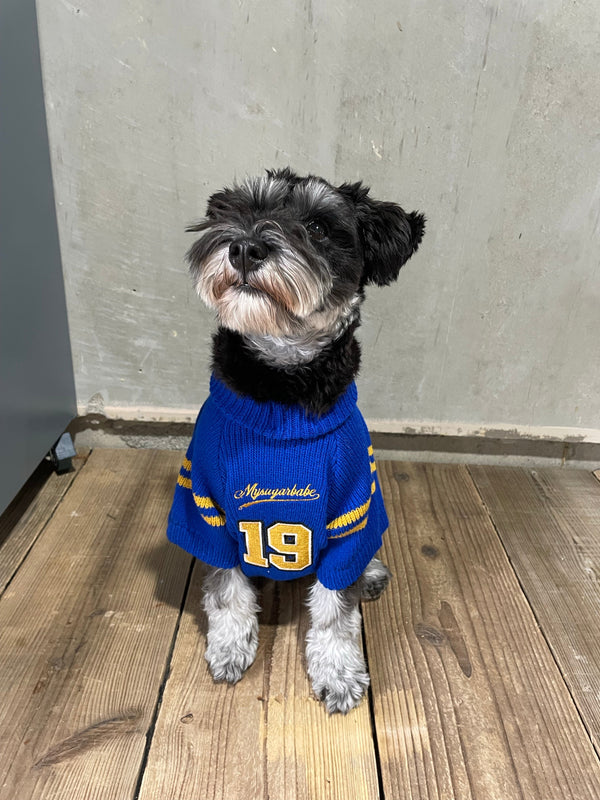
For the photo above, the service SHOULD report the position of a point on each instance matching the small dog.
(279, 479)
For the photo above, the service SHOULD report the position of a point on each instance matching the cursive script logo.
(261, 494)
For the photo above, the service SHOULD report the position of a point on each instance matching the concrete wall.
(484, 115)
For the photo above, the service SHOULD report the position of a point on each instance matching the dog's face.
(281, 255)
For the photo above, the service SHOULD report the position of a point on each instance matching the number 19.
(292, 543)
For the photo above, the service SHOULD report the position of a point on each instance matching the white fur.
(232, 638)
(335, 662)
(277, 299)
(315, 332)
(336, 665)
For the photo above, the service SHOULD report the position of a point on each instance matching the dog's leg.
(374, 580)
(232, 638)
(335, 661)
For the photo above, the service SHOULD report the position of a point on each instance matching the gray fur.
(374, 580)
(315, 333)
(335, 662)
(232, 611)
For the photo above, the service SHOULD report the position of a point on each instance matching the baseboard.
(165, 415)
(414, 441)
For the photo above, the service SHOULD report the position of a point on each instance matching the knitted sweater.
(278, 492)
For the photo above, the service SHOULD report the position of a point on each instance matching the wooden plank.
(265, 737)
(86, 628)
(26, 516)
(549, 523)
(468, 701)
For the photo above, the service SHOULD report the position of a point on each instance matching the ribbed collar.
(279, 420)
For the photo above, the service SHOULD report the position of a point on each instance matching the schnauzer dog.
(279, 479)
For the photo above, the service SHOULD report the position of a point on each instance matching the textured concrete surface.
(484, 115)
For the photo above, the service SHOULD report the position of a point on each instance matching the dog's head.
(283, 254)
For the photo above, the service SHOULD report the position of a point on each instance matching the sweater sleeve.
(197, 521)
(356, 514)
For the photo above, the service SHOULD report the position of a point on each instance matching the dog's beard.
(318, 331)
(275, 299)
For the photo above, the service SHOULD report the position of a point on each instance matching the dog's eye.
(317, 231)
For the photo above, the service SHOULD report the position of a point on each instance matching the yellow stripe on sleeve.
(185, 482)
(201, 501)
(204, 502)
(217, 518)
(350, 516)
(215, 522)
(358, 513)
(356, 528)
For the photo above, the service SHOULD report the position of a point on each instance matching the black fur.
(316, 385)
(388, 235)
(360, 241)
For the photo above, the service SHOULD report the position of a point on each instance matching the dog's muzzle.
(247, 254)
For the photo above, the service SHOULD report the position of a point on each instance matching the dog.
(279, 479)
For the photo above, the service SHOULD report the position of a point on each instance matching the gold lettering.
(260, 494)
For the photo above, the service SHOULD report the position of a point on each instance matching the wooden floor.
(484, 652)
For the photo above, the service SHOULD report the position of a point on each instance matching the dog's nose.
(247, 254)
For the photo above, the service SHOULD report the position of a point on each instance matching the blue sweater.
(279, 492)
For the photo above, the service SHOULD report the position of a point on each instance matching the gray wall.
(37, 395)
(484, 115)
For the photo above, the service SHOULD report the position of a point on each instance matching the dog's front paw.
(338, 674)
(229, 658)
(342, 696)
(232, 636)
(374, 580)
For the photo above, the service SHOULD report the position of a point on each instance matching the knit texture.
(281, 493)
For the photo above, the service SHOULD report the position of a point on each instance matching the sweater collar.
(280, 420)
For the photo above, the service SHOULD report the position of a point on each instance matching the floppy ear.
(389, 236)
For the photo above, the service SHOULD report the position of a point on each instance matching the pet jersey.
(279, 492)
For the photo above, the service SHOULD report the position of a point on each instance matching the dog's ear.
(389, 236)
(284, 174)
